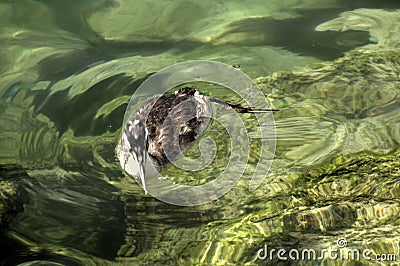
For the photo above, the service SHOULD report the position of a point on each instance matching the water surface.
(69, 69)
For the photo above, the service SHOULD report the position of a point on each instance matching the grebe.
(163, 128)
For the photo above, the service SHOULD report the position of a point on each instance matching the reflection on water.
(65, 84)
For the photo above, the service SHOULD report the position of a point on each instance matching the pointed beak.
(140, 158)
(142, 174)
(135, 135)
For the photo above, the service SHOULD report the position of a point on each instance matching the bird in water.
(163, 128)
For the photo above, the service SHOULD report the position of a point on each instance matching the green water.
(69, 68)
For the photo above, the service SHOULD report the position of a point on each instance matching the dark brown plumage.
(163, 128)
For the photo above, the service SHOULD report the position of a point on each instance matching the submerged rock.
(347, 106)
(382, 25)
(11, 198)
(204, 21)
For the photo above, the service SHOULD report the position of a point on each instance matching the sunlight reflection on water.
(64, 93)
